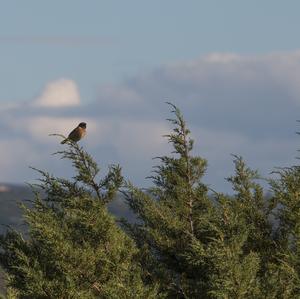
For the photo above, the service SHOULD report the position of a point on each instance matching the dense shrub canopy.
(74, 248)
(188, 241)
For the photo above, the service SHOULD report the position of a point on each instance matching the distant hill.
(11, 195)
(10, 213)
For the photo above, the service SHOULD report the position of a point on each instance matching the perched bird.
(77, 134)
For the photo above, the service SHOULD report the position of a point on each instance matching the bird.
(77, 134)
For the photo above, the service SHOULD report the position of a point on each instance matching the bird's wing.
(75, 135)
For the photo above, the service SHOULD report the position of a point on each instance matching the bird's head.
(82, 125)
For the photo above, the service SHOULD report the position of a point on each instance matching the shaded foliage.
(188, 241)
(217, 246)
(74, 248)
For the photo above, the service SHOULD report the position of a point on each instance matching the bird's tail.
(64, 141)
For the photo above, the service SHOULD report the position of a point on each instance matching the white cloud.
(59, 93)
(16, 155)
(237, 104)
(141, 138)
(119, 97)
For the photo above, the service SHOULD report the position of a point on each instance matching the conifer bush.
(197, 244)
(74, 248)
(188, 241)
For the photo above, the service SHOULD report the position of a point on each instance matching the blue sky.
(232, 67)
(132, 36)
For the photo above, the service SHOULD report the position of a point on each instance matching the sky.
(232, 67)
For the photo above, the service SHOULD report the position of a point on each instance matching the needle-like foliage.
(196, 245)
(188, 241)
(174, 216)
(74, 249)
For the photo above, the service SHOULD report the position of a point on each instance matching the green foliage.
(173, 213)
(188, 241)
(285, 271)
(200, 246)
(74, 248)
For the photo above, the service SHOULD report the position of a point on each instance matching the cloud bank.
(60, 93)
(237, 104)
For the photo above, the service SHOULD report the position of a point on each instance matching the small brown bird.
(77, 134)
